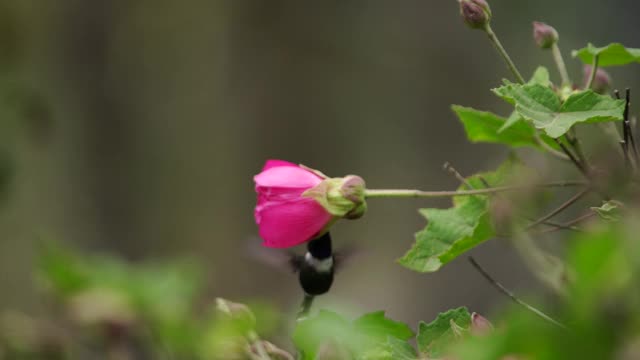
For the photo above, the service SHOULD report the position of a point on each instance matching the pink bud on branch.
(601, 82)
(475, 13)
(544, 35)
(480, 325)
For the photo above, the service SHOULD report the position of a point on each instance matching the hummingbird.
(315, 269)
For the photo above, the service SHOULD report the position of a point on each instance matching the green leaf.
(376, 325)
(362, 336)
(451, 232)
(392, 349)
(611, 55)
(609, 211)
(512, 119)
(604, 261)
(324, 328)
(484, 127)
(400, 349)
(434, 338)
(541, 77)
(542, 106)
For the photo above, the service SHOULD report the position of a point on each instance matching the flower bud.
(341, 197)
(480, 325)
(475, 13)
(601, 83)
(353, 188)
(236, 312)
(544, 35)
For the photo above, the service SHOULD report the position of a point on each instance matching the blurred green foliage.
(103, 307)
(100, 306)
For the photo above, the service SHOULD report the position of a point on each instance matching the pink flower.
(285, 217)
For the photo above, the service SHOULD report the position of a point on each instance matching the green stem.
(408, 193)
(557, 57)
(498, 45)
(594, 69)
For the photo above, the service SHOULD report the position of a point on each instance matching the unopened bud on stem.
(544, 35)
(236, 311)
(341, 197)
(601, 81)
(480, 325)
(475, 13)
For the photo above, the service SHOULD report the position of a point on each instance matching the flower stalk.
(408, 193)
(594, 71)
(562, 68)
(501, 50)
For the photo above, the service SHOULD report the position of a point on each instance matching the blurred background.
(135, 128)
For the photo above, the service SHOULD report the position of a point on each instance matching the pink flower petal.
(286, 177)
(275, 163)
(272, 195)
(290, 223)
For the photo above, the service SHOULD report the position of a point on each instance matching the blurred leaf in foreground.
(435, 337)
(161, 294)
(368, 334)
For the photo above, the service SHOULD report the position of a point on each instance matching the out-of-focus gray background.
(141, 124)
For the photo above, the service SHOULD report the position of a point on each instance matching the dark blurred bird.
(316, 268)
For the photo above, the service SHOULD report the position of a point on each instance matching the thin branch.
(560, 208)
(486, 184)
(558, 226)
(582, 218)
(627, 123)
(575, 161)
(570, 223)
(627, 103)
(572, 138)
(549, 149)
(625, 153)
(410, 193)
(447, 166)
(510, 295)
